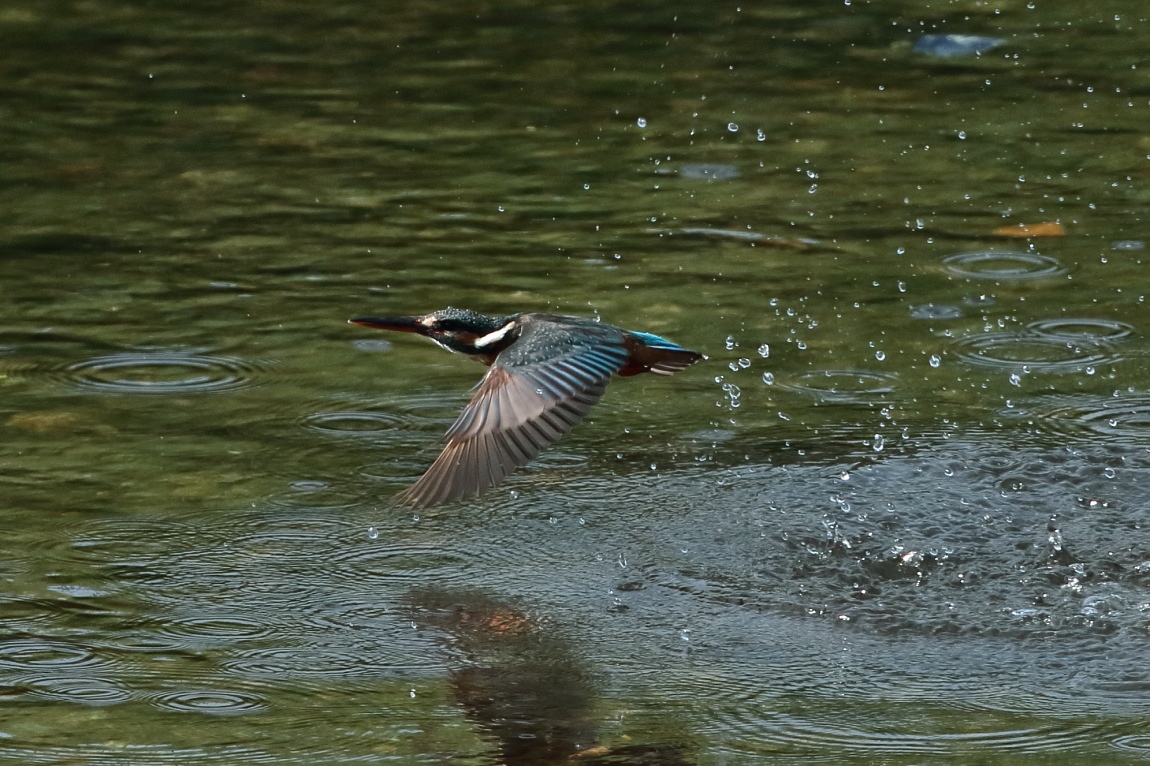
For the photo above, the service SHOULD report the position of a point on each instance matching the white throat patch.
(494, 337)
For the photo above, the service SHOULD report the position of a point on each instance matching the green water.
(899, 516)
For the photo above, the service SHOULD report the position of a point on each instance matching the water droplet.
(372, 533)
(1109, 473)
(764, 350)
(935, 360)
(731, 342)
(733, 127)
(880, 355)
(769, 378)
(641, 122)
(879, 443)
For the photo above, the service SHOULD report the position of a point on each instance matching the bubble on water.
(935, 360)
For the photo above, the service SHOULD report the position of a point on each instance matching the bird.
(545, 373)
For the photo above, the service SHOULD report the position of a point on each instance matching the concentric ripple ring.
(354, 423)
(1003, 265)
(842, 385)
(1076, 329)
(161, 372)
(1033, 352)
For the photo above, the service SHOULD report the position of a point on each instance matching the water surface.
(898, 517)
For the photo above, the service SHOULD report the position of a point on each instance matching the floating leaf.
(1048, 229)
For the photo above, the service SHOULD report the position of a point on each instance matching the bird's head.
(460, 330)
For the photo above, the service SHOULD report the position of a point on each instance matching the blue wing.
(654, 341)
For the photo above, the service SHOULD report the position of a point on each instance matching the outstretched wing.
(537, 390)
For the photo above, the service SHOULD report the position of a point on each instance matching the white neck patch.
(494, 337)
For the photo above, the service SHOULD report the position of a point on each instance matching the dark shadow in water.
(521, 685)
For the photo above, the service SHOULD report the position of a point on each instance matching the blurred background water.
(900, 516)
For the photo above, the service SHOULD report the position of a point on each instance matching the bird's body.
(546, 372)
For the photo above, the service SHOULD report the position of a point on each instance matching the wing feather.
(526, 401)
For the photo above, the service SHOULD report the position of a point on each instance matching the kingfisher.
(545, 373)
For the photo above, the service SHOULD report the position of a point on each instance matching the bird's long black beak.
(399, 324)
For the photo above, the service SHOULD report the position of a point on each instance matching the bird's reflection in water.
(521, 685)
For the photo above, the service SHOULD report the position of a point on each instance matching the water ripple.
(29, 653)
(710, 171)
(406, 561)
(1077, 329)
(1003, 265)
(354, 423)
(300, 537)
(210, 701)
(1032, 352)
(1120, 418)
(304, 662)
(1138, 743)
(314, 494)
(935, 311)
(212, 629)
(842, 385)
(81, 690)
(790, 732)
(162, 372)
